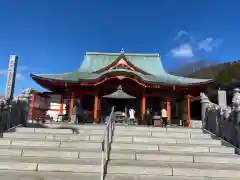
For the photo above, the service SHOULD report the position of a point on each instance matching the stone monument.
(12, 68)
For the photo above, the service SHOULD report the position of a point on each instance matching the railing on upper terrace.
(224, 122)
(107, 141)
(14, 112)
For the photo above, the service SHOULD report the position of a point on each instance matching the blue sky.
(51, 36)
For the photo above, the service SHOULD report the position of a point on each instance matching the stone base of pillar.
(196, 123)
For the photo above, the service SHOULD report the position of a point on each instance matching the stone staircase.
(52, 153)
(173, 153)
(74, 152)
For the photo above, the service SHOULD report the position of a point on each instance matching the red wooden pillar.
(169, 107)
(95, 111)
(143, 108)
(32, 105)
(189, 111)
(61, 105)
(71, 106)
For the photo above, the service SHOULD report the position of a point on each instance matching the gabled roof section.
(149, 63)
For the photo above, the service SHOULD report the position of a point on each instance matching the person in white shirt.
(164, 116)
(131, 116)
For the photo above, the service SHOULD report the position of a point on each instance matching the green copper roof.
(149, 63)
(163, 79)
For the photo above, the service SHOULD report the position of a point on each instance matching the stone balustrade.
(224, 122)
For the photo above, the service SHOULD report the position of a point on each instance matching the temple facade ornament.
(204, 98)
(225, 111)
(212, 106)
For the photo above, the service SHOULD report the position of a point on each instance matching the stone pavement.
(74, 152)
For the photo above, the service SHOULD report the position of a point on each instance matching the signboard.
(12, 68)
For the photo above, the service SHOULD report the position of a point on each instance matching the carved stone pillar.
(236, 104)
(236, 108)
(204, 102)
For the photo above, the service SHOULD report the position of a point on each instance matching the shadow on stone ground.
(39, 125)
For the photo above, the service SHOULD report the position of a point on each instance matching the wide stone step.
(177, 157)
(156, 129)
(67, 130)
(92, 136)
(136, 155)
(54, 153)
(44, 130)
(173, 148)
(76, 126)
(42, 148)
(152, 140)
(173, 169)
(52, 144)
(95, 138)
(36, 175)
(59, 131)
(164, 135)
(44, 136)
(130, 153)
(50, 164)
(158, 177)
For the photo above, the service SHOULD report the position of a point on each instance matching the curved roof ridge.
(126, 54)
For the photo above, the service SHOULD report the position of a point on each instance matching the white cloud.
(183, 51)
(208, 44)
(187, 45)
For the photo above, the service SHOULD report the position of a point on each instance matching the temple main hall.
(123, 80)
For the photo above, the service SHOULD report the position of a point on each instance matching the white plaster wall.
(54, 106)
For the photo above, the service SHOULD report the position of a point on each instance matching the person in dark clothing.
(80, 114)
(148, 117)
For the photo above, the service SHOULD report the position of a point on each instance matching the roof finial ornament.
(122, 51)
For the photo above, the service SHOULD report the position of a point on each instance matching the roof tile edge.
(127, 54)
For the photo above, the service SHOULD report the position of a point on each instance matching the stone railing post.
(204, 103)
(236, 103)
(236, 108)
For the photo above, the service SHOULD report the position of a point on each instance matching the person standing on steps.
(131, 116)
(164, 117)
(74, 114)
